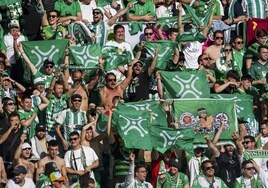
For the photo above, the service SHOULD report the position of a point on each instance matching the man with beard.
(228, 161)
(20, 180)
(72, 119)
(137, 176)
(208, 179)
(112, 89)
(139, 87)
(53, 150)
(173, 178)
(10, 138)
(39, 141)
(204, 63)
(194, 163)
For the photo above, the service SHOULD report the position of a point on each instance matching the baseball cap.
(13, 23)
(40, 127)
(74, 96)
(175, 162)
(48, 62)
(39, 80)
(26, 145)
(19, 170)
(56, 176)
(99, 9)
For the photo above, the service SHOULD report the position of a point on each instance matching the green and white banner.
(166, 51)
(114, 57)
(39, 51)
(244, 109)
(204, 117)
(252, 154)
(158, 113)
(185, 84)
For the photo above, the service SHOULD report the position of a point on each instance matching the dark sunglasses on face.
(77, 100)
(27, 149)
(111, 80)
(96, 13)
(228, 50)
(11, 103)
(240, 42)
(217, 38)
(71, 139)
(148, 34)
(250, 168)
(49, 66)
(210, 168)
(52, 16)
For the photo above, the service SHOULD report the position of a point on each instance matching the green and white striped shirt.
(255, 8)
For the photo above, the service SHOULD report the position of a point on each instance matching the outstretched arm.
(113, 19)
(212, 147)
(27, 60)
(153, 64)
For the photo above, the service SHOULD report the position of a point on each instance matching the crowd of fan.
(48, 135)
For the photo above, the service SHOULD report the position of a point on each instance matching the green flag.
(204, 116)
(38, 51)
(133, 128)
(86, 56)
(165, 138)
(8, 2)
(244, 109)
(101, 125)
(185, 84)
(166, 51)
(114, 57)
(158, 116)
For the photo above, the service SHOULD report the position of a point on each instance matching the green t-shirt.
(51, 34)
(258, 72)
(178, 182)
(67, 9)
(25, 115)
(141, 9)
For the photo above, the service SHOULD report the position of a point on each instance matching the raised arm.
(179, 21)
(153, 64)
(218, 133)
(114, 18)
(159, 85)
(27, 60)
(127, 80)
(111, 138)
(212, 146)
(44, 102)
(18, 150)
(238, 143)
(84, 129)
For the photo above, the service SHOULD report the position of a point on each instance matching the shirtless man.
(22, 156)
(53, 150)
(214, 51)
(111, 89)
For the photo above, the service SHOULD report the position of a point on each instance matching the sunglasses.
(240, 42)
(77, 100)
(52, 16)
(27, 149)
(60, 181)
(49, 66)
(73, 139)
(148, 34)
(250, 168)
(228, 50)
(137, 65)
(111, 80)
(217, 38)
(246, 142)
(96, 13)
(11, 104)
(210, 168)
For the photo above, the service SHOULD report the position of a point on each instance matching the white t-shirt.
(87, 10)
(90, 155)
(28, 184)
(192, 50)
